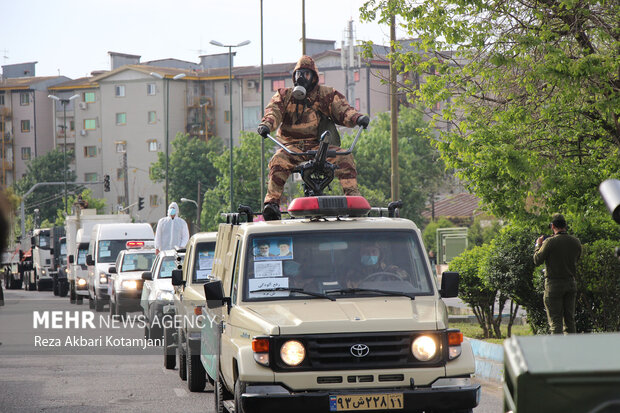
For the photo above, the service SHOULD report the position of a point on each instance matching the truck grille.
(358, 352)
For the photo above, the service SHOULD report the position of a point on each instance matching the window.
(2, 99)
(24, 99)
(151, 89)
(152, 118)
(72, 125)
(277, 84)
(119, 90)
(152, 145)
(25, 126)
(226, 91)
(120, 174)
(356, 75)
(121, 118)
(154, 200)
(90, 124)
(90, 177)
(90, 151)
(321, 78)
(226, 116)
(89, 97)
(26, 154)
(121, 146)
(357, 104)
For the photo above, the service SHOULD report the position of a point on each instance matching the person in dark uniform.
(560, 253)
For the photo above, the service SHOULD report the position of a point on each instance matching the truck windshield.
(360, 263)
(43, 240)
(63, 249)
(82, 253)
(139, 261)
(167, 265)
(108, 250)
(203, 261)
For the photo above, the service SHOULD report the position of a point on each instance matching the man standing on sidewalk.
(560, 253)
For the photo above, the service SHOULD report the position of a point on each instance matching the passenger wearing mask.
(297, 113)
(372, 267)
(171, 230)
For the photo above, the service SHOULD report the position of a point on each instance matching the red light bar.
(134, 244)
(353, 206)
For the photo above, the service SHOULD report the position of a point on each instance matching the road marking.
(180, 392)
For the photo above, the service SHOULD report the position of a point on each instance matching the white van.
(106, 241)
(79, 270)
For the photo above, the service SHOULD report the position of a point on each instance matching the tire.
(64, 289)
(196, 375)
(219, 395)
(79, 299)
(239, 390)
(170, 359)
(147, 333)
(98, 304)
(182, 358)
(55, 287)
(72, 293)
(91, 303)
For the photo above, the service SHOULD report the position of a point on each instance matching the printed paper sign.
(268, 283)
(265, 269)
(203, 274)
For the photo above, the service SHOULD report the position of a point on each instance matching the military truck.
(58, 268)
(188, 302)
(39, 277)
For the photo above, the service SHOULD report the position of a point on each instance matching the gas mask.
(303, 83)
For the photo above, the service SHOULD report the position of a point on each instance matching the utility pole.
(125, 179)
(262, 107)
(303, 27)
(394, 111)
(199, 200)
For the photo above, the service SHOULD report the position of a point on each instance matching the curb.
(489, 359)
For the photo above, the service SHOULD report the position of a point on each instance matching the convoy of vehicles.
(157, 291)
(39, 277)
(106, 241)
(188, 302)
(125, 282)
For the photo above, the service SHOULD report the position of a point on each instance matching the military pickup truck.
(332, 310)
(188, 302)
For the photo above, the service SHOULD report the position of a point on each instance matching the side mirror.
(214, 294)
(89, 260)
(177, 277)
(449, 284)
(112, 270)
(147, 276)
(71, 259)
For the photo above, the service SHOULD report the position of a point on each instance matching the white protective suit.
(171, 232)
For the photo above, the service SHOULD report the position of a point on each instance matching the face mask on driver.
(303, 82)
(368, 260)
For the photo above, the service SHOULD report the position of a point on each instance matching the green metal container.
(569, 374)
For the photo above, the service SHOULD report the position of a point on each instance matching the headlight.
(103, 278)
(424, 348)
(81, 282)
(43, 272)
(292, 353)
(165, 296)
(129, 284)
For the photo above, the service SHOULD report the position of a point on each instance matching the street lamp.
(197, 212)
(167, 85)
(230, 46)
(64, 103)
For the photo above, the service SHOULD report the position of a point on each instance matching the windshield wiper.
(295, 290)
(369, 290)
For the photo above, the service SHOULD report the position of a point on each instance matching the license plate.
(352, 402)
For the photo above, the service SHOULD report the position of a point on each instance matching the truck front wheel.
(72, 292)
(169, 353)
(220, 394)
(239, 390)
(182, 357)
(196, 375)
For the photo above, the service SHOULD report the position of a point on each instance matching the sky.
(73, 37)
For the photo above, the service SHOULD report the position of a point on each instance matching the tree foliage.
(531, 90)
(189, 164)
(48, 199)
(421, 170)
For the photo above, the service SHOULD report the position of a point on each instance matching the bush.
(598, 288)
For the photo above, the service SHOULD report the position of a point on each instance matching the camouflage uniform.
(298, 122)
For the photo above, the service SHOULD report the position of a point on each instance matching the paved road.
(36, 379)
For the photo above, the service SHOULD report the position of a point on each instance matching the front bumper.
(129, 298)
(268, 398)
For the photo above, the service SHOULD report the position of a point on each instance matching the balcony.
(5, 113)
(7, 137)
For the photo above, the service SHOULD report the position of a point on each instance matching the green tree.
(420, 168)
(189, 164)
(246, 174)
(429, 235)
(531, 90)
(48, 199)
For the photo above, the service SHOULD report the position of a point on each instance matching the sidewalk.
(489, 360)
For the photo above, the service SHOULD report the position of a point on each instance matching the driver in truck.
(302, 112)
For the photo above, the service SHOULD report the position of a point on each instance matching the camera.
(610, 191)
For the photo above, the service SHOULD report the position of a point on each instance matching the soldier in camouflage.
(296, 112)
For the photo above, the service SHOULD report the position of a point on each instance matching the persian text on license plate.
(352, 402)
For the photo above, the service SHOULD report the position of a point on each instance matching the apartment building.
(26, 124)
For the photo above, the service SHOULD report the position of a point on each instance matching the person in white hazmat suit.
(171, 230)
